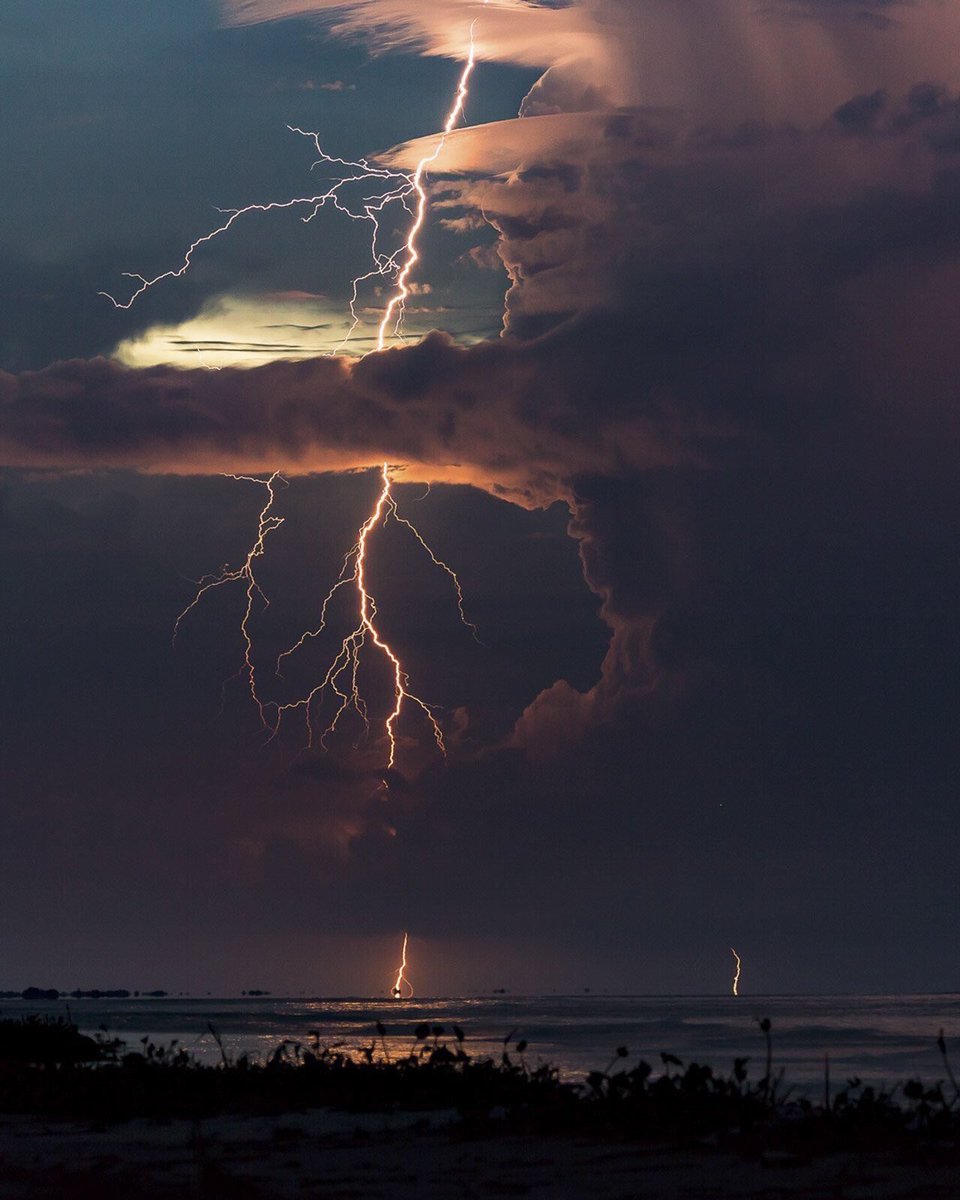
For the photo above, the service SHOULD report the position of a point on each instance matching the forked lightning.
(391, 187)
(341, 675)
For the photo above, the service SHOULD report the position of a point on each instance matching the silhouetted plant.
(47, 1041)
(103, 1080)
(942, 1047)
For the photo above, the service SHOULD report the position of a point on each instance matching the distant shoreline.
(43, 994)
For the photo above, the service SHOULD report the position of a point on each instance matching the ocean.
(878, 1039)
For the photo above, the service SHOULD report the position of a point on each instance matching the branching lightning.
(402, 988)
(245, 574)
(341, 677)
(348, 177)
(736, 977)
(363, 191)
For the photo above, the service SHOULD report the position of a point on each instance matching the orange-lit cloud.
(509, 30)
(683, 298)
(445, 413)
(781, 60)
(729, 58)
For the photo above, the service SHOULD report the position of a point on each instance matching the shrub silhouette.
(49, 1067)
(46, 1041)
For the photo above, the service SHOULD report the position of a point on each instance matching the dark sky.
(689, 422)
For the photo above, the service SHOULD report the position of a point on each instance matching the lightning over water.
(736, 976)
(402, 988)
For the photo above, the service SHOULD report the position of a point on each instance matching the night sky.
(678, 402)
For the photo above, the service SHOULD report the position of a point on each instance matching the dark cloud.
(731, 351)
(429, 405)
(725, 279)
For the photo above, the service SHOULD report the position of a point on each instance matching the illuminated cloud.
(781, 60)
(678, 300)
(737, 58)
(678, 295)
(508, 30)
(674, 375)
(732, 349)
(248, 331)
(449, 413)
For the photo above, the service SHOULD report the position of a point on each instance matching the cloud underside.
(734, 57)
(721, 348)
(667, 283)
(731, 234)
(724, 338)
(508, 31)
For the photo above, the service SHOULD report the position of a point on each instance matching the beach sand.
(340, 1156)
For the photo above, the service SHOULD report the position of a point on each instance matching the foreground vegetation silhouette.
(48, 1067)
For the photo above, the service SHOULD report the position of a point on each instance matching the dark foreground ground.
(401, 1157)
(90, 1119)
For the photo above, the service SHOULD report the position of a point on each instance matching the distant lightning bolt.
(736, 977)
(402, 982)
(341, 677)
(266, 525)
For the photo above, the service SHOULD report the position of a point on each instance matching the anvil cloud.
(738, 57)
(679, 296)
(731, 233)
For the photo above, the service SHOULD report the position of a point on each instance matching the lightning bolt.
(394, 310)
(736, 977)
(244, 574)
(347, 177)
(348, 191)
(341, 677)
(402, 982)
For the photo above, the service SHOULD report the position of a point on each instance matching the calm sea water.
(884, 1039)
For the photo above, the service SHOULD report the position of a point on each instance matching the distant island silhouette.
(38, 993)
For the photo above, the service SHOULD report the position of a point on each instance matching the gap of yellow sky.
(248, 331)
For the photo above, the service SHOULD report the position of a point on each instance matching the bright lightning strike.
(341, 677)
(394, 310)
(347, 191)
(402, 988)
(736, 977)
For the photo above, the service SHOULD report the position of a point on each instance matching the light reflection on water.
(878, 1038)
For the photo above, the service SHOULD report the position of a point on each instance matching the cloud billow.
(706, 331)
(731, 349)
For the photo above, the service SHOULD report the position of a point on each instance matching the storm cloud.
(732, 244)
